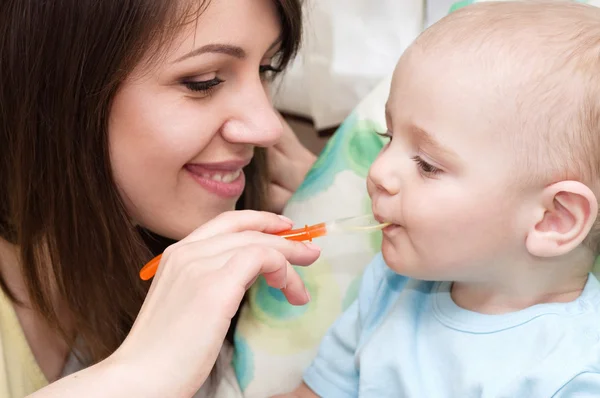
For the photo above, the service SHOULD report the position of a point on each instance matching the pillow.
(274, 341)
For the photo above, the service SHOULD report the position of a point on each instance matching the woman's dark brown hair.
(61, 63)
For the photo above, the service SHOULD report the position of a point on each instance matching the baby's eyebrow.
(427, 140)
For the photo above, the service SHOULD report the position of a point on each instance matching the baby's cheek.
(443, 224)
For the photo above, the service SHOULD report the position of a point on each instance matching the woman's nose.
(256, 121)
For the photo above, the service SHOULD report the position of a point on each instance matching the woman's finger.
(240, 220)
(289, 141)
(189, 251)
(280, 169)
(245, 265)
(201, 253)
(278, 197)
(297, 253)
(295, 291)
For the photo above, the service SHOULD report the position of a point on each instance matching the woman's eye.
(268, 72)
(204, 87)
(424, 167)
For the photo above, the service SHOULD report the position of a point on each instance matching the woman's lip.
(232, 189)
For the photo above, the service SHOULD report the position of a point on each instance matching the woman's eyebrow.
(227, 49)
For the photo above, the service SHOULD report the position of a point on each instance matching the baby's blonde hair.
(557, 102)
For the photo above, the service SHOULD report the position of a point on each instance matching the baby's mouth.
(382, 220)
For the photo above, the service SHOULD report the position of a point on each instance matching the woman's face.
(180, 132)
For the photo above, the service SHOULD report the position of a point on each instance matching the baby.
(491, 180)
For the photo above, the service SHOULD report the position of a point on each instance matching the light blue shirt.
(407, 338)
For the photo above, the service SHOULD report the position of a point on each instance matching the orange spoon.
(307, 233)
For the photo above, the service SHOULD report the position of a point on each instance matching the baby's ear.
(567, 211)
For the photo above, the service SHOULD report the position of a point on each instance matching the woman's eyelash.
(424, 167)
(268, 72)
(205, 86)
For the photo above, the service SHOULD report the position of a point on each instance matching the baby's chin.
(397, 260)
(402, 262)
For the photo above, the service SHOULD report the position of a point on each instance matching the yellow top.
(20, 374)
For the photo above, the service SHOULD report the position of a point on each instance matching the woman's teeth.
(223, 177)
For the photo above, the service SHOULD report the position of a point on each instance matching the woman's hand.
(289, 161)
(198, 288)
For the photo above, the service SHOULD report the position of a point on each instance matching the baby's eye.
(424, 167)
(386, 134)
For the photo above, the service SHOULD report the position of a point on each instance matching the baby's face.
(446, 178)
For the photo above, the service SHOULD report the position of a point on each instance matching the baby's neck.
(536, 281)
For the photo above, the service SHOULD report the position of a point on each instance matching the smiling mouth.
(224, 180)
(225, 177)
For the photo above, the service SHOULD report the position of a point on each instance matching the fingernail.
(284, 218)
(312, 246)
(307, 293)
